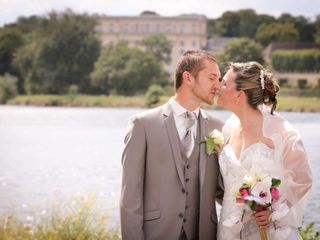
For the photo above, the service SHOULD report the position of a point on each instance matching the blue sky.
(10, 10)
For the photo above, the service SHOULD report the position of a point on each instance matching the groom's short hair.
(191, 61)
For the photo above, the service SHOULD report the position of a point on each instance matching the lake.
(52, 156)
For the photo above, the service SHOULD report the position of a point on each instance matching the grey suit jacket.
(152, 178)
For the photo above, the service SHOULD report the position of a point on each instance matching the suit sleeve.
(133, 168)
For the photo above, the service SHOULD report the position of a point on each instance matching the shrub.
(8, 87)
(153, 95)
(302, 83)
(282, 81)
(309, 233)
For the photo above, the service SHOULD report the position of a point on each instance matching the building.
(185, 32)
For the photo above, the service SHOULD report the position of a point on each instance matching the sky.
(10, 10)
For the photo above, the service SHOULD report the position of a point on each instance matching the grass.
(285, 103)
(74, 222)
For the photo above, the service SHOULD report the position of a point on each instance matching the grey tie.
(188, 139)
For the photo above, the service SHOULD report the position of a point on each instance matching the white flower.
(217, 137)
(261, 191)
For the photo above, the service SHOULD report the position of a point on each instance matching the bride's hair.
(257, 83)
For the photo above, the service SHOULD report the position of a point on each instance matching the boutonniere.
(213, 142)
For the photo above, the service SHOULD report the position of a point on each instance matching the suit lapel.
(174, 140)
(203, 156)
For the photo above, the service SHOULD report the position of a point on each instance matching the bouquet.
(257, 193)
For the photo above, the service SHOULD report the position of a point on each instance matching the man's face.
(207, 83)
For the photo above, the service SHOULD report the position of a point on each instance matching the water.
(54, 155)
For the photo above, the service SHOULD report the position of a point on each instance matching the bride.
(256, 136)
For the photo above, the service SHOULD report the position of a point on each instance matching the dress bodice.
(257, 155)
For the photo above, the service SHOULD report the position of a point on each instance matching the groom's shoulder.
(213, 121)
(149, 114)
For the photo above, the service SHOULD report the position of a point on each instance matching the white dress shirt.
(179, 114)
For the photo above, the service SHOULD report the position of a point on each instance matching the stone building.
(185, 32)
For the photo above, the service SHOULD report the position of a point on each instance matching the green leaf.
(209, 146)
(275, 182)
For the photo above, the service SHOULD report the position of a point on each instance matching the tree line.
(60, 53)
(265, 28)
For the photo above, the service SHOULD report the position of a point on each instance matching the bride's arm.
(296, 167)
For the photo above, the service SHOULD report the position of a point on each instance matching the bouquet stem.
(263, 234)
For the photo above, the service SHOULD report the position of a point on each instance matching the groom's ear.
(187, 77)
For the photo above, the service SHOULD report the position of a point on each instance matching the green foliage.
(153, 95)
(309, 233)
(241, 50)
(242, 23)
(302, 83)
(282, 81)
(8, 87)
(277, 32)
(60, 52)
(305, 28)
(10, 40)
(80, 222)
(127, 70)
(307, 60)
(158, 44)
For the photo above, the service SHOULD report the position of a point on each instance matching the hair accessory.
(262, 78)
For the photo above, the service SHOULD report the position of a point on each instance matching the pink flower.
(275, 193)
(239, 200)
(244, 192)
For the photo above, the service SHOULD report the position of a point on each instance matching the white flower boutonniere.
(213, 142)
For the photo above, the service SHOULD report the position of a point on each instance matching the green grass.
(77, 221)
(285, 103)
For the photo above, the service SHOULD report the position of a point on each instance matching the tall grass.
(79, 221)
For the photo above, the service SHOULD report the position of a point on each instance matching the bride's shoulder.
(278, 124)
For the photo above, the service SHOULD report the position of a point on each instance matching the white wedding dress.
(259, 156)
(287, 161)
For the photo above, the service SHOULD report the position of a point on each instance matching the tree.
(59, 53)
(126, 70)
(317, 33)
(305, 28)
(158, 44)
(248, 23)
(277, 32)
(10, 40)
(241, 50)
(229, 24)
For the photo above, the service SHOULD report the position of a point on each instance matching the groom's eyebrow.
(213, 75)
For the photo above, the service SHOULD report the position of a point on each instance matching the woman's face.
(228, 94)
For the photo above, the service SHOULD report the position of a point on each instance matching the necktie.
(188, 139)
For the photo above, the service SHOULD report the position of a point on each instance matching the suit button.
(183, 190)
(188, 166)
(180, 215)
(187, 206)
(184, 220)
(187, 179)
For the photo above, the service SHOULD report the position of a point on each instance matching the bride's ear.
(241, 96)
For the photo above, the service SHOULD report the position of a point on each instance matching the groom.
(169, 184)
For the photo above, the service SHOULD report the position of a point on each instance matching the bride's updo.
(257, 83)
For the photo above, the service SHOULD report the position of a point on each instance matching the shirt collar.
(178, 110)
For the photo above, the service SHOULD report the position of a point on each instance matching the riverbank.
(285, 103)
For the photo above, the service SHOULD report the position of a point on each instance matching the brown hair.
(193, 62)
(249, 79)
